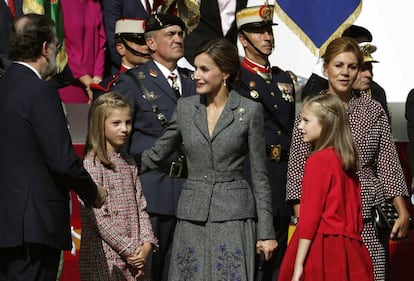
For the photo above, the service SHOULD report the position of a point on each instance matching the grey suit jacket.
(215, 189)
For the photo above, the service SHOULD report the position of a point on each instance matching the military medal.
(287, 91)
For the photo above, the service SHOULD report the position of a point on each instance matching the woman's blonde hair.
(101, 109)
(335, 131)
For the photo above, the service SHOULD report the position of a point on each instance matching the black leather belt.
(276, 153)
(176, 169)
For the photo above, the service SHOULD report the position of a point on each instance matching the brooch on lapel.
(241, 112)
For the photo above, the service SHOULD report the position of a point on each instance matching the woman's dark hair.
(27, 36)
(225, 55)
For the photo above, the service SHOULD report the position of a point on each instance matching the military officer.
(153, 89)
(130, 45)
(273, 88)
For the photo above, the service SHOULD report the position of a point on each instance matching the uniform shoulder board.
(277, 70)
(104, 86)
(184, 71)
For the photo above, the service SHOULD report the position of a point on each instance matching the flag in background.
(317, 22)
(53, 10)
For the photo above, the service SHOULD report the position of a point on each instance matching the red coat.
(331, 217)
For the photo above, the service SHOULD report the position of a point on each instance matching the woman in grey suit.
(222, 221)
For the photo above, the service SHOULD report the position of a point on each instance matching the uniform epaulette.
(104, 86)
(184, 71)
(276, 69)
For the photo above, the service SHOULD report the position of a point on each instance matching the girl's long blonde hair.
(101, 109)
(335, 131)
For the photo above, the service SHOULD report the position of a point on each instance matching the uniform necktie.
(148, 7)
(175, 85)
(12, 8)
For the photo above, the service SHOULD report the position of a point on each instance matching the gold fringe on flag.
(305, 39)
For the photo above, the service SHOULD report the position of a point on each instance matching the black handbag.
(384, 216)
(260, 263)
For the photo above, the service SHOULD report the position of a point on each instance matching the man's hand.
(100, 197)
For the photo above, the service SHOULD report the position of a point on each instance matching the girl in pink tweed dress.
(118, 238)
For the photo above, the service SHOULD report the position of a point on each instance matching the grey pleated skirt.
(213, 251)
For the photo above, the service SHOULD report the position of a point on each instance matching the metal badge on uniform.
(153, 73)
(287, 91)
(254, 94)
(141, 75)
(275, 152)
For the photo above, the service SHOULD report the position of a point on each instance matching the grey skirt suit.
(220, 216)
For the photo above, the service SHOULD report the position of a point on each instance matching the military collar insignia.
(153, 73)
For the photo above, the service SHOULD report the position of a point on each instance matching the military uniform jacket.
(277, 97)
(161, 191)
(215, 189)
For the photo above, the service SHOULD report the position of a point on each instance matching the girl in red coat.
(327, 244)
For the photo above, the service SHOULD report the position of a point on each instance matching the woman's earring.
(225, 82)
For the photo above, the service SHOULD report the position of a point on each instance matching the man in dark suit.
(273, 88)
(6, 21)
(210, 26)
(149, 89)
(38, 165)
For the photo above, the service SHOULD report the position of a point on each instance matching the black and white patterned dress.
(381, 173)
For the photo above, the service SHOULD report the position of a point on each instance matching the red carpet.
(402, 252)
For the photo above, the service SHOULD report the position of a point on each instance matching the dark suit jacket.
(6, 22)
(215, 189)
(409, 115)
(209, 27)
(38, 165)
(160, 190)
(113, 10)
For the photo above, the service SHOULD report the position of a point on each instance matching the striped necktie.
(175, 85)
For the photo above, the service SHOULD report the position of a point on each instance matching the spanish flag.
(318, 22)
